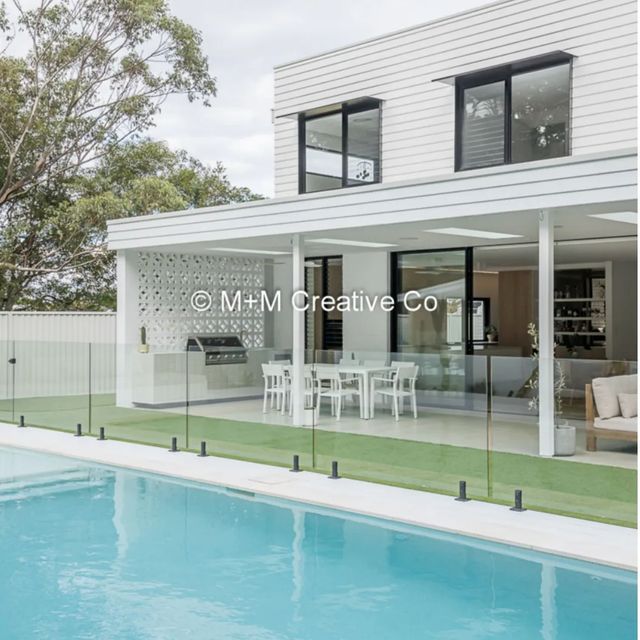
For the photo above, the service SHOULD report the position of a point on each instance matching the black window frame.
(504, 74)
(345, 109)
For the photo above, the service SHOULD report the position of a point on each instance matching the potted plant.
(564, 433)
(492, 333)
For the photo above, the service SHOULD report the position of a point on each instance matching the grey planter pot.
(565, 440)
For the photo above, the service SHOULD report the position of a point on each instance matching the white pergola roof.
(591, 183)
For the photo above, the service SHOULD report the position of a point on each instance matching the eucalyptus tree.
(77, 79)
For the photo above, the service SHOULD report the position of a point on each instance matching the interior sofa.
(611, 409)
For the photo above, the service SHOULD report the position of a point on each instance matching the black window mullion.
(467, 325)
(302, 153)
(345, 144)
(459, 114)
(507, 119)
(324, 292)
(394, 288)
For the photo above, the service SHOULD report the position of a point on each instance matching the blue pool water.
(88, 552)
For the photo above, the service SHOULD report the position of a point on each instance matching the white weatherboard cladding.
(166, 282)
(418, 114)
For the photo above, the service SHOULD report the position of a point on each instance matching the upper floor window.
(340, 147)
(514, 114)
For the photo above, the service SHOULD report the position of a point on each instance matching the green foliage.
(96, 72)
(56, 241)
(559, 380)
(79, 81)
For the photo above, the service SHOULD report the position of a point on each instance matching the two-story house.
(480, 169)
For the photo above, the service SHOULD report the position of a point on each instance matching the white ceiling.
(498, 258)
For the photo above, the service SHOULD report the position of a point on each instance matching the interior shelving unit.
(581, 311)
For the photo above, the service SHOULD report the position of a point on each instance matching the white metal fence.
(51, 353)
(64, 326)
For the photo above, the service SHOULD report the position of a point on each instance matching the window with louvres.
(513, 116)
(483, 126)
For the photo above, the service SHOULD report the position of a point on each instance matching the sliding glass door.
(422, 281)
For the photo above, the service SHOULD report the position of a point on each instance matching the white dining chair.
(346, 362)
(351, 380)
(276, 387)
(337, 391)
(311, 392)
(399, 385)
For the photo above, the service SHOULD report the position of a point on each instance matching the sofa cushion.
(628, 404)
(606, 390)
(617, 424)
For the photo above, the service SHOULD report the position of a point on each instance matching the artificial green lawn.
(551, 484)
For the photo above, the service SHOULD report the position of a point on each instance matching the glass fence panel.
(51, 386)
(471, 418)
(140, 395)
(597, 425)
(7, 372)
(435, 438)
(597, 484)
(240, 405)
(513, 424)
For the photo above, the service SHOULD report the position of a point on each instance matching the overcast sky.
(244, 39)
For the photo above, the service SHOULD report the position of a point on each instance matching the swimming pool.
(91, 552)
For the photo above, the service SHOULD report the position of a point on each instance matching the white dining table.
(365, 372)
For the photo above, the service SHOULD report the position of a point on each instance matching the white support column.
(126, 325)
(546, 420)
(297, 388)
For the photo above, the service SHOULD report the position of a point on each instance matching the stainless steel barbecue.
(218, 348)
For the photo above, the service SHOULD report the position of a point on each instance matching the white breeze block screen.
(166, 282)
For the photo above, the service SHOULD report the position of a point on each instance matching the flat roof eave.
(564, 181)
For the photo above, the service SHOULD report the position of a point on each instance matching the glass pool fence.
(425, 421)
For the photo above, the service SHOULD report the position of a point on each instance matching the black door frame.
(467, 326)
(324, 280)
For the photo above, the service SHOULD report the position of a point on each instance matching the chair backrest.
(311, 382)
(273, 370)
(407, 373)
(282, 362)
(374, 363)
(332, 374)
(402, 363)
(350, 361)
